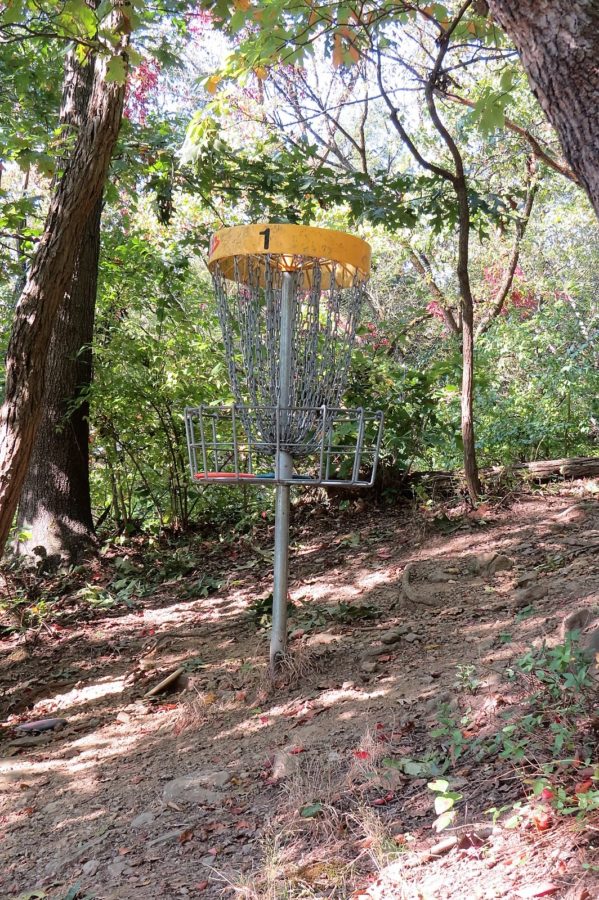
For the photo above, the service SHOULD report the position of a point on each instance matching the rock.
(90, 867)
(197, 788)
(323, 639)
(116, 868)
(143, 819)
(368, 665)
(526, 596)
(526, 578)
(41, 725)
(481, 562)
(394, 635)
(411, 638)
(285, 763)
(577, 620)
(501, 563)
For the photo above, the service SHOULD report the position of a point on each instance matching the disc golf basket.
(289, 300)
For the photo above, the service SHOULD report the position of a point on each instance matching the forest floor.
(427, 649)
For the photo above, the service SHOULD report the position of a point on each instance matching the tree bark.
(558, 44)
(55, 507)
(76, 194)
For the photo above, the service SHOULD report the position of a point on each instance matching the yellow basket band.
(291, 248)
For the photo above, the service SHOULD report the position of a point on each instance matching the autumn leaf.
(212, 84)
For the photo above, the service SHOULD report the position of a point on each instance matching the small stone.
(123, 717)
(368, 665)
(526, 578)
(481, 562)
(285, 763)
(501, 563)
(198, 788)
(528, 595)
(394, 635)
(323, 639)
(116, 868)
(411, 637)
(90, 867)
(143, 819)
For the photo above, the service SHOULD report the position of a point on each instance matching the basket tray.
(225, 447)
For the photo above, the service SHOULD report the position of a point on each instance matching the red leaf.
(546, 794)
(361, 754)
(295, 750)
(185, 836)
(382, 801)
(584, 786)
(543, 821)
(202, 885)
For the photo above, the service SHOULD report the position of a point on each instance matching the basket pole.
(284, 468)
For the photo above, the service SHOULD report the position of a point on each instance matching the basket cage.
(226, 446)
(324, 323)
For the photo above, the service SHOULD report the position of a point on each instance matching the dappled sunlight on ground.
(185, 793)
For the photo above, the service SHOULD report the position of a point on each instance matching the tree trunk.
(55, 507)
(76, 194)
(558, 44)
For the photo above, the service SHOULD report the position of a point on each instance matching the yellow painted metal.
(291, 248)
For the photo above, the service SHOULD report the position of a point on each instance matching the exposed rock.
(578, 620)
(368, 665)
(143, 819)
(285, 763)
(322, 639)
(411, 638)
(501, 563)
(90, 867)
(395, 634)
(117, 868)
(526, 596)
(197, 788)
(480, 563)
(526, 578)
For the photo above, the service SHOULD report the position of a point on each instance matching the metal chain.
(324, 328)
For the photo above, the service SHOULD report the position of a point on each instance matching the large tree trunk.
(76, 195)
(55, 507)
(558, 44)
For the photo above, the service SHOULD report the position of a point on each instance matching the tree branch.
(538, 151)
(421, 263)
(510, 271)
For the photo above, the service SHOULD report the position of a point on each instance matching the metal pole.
(284, 468)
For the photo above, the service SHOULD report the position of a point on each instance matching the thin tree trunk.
(76, 194)
(558, 44)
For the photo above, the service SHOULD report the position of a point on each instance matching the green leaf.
(116, 70)
(311, 810)
(439, 784)
(443, 803)
(444, 820)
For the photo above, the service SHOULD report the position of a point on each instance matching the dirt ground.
(403, 623)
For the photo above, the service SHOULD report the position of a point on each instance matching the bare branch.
(508, 277)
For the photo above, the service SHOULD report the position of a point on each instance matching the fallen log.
(574, 467)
